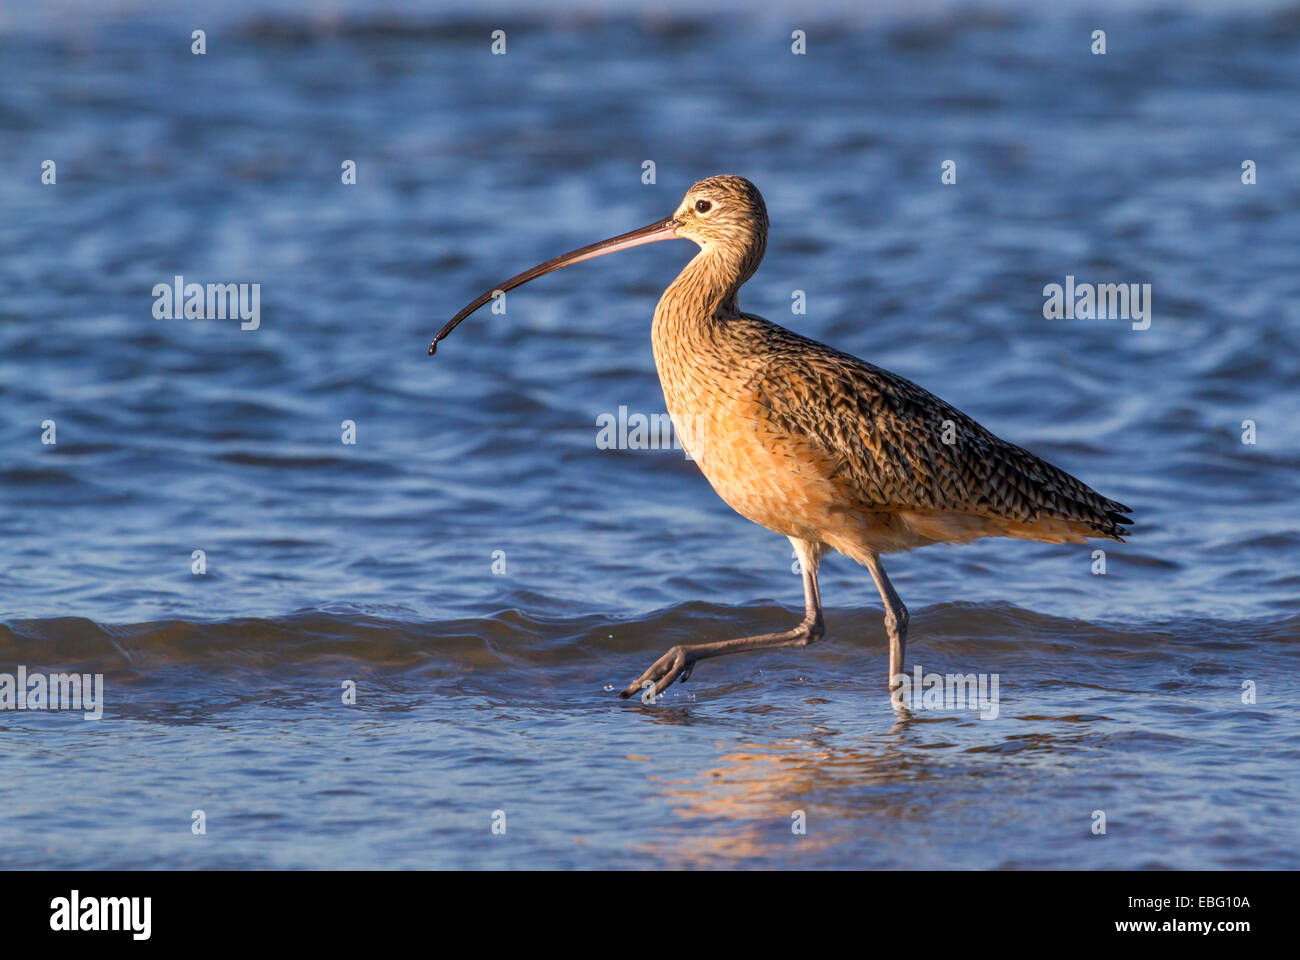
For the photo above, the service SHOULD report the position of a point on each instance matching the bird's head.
(725, 215)
(723, 211)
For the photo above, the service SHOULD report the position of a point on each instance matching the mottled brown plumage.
(813, 443)
(883, 439)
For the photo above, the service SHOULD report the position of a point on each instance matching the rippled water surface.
(486, 574)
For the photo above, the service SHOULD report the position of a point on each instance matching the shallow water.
(486, 574)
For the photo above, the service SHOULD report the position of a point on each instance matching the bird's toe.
(672, 666)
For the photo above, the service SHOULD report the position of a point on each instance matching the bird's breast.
(774, 479)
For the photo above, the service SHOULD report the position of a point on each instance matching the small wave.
(515, 639)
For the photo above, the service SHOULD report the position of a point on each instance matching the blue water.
(486, 574)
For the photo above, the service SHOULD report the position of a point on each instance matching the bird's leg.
(678, 662)
(895, 626)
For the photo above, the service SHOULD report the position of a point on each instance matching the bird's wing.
(898, 446)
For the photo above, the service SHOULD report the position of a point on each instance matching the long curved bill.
(663, 230)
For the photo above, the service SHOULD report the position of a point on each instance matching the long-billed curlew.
(818, 445)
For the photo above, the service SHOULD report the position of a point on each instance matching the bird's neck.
(704, 294)
(691, 335)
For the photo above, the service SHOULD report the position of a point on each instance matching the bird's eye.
(703, 206)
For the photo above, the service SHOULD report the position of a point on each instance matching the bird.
(831, 451)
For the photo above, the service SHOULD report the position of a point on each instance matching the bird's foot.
(674, 665)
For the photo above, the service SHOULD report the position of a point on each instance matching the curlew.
(833, 452)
